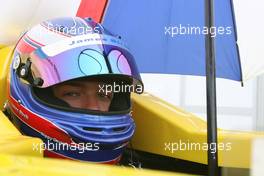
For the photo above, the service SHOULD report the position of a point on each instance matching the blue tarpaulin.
(168, 36)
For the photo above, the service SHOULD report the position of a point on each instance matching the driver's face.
(83, 94)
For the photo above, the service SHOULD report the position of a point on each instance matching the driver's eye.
(72, 94)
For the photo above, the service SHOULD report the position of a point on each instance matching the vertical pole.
(211, 91)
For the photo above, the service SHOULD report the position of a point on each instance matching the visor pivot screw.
(23, 72)
(24, 69)
(38, 82)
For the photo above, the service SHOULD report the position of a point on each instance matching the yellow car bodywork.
(160, 129)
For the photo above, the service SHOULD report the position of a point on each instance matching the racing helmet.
(60, 50)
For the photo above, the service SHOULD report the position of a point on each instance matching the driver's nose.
(91, 103)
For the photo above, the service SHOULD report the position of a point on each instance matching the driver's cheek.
(104, 105)
(76, 103)
(95, 103)
(89, 103)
